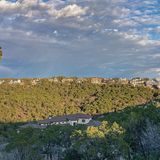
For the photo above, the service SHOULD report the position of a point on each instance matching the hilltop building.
(137, 82)
(96, 80)
(17, 81)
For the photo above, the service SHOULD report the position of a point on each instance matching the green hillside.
(32, 102)
(130, 134)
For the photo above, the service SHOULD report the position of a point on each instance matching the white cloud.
(125, 22)
(8, 6)
(154, 70)
(120, 11)
(69, 11)
(155, 56)
(20, 35)
(32, 8)
(97, 32)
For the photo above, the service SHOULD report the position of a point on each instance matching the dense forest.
(130, 134)
(129, 116)
(32, 102)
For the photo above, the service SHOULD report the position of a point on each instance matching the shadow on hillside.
(121, 116)
(118, 116)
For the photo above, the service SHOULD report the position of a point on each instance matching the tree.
(1, 53)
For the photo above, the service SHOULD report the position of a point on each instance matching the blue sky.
(105, 38)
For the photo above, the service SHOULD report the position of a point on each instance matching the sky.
(83, 38)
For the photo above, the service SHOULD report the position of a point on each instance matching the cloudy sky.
(105, 38)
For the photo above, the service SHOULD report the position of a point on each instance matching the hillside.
(33, 99)
(130, 134)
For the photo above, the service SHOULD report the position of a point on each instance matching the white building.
(137, 82)
(17, 81)
(35, 81)
(72, 119)
(1, 82)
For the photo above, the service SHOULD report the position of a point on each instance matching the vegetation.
(128, 130)
(130, 134)
(32, 102)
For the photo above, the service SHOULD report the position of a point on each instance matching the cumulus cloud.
(33, 8)
(8, 6)
(69, 11)
(107, 37)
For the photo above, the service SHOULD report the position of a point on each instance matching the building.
(56, 80)
(1, 82)
(72, 119)
(137, 82)
(35, 81)
(108, 81)
(153, 83)
(95, 80)
(17, 81)
(123, 81)
(67, 80)
(81, 80)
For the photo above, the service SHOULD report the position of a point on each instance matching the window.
(83, 120)
(74, 123)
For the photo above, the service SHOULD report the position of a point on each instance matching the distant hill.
(33, 99)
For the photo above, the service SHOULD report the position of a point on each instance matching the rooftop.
(64, 118)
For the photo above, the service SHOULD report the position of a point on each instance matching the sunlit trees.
(97, 143)
(32, 102)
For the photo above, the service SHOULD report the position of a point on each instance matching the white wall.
(72, 123)
(80, 121)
